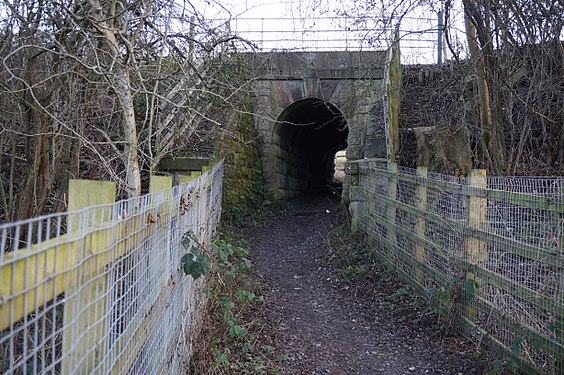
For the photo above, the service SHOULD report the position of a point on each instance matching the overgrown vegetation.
(104, 89)
(233, 339)
(499, 106)
(245, 197)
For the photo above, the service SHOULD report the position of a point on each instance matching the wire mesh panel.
(495, 242)
(101, 290)
(418, 34)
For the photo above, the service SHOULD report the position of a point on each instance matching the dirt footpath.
(320, 325)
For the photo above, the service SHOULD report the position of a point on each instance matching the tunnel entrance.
(308, 135)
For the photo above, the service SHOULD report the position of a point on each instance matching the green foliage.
(470, 287)
(403, 291)
(352, 272)
(510, 364)
(195, 262)
(501, 366)
(442, 299)
(231, 334)
(350, 253)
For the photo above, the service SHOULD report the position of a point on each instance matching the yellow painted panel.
(47, 270)
(131, 341)
(184, 178)
(86, 193)
(159, 183)
(86, 296)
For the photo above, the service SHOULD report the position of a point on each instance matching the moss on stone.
(244, 186)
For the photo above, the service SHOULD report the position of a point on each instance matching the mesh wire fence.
(418, 35)
(103, 291)
(504, 234)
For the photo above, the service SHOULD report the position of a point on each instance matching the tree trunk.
(123, 92)
(492, 139)
(121, 85)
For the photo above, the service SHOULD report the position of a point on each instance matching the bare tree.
(514, 103)
(101, 88)
(517, 55)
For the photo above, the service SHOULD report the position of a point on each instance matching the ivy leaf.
(195, 264)
(186, 261)
(538, 343)
(247, 348)
(221, 357)
(186, 239)
(194, 250)
(244, 264)
(516, 346)
(237, 330)
(470, 287)
(512, 366)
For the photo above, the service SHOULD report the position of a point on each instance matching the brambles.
(231, 342)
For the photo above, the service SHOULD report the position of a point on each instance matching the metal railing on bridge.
(418, 36)
(100, 290)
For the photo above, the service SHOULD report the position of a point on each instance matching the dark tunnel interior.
(310, 132)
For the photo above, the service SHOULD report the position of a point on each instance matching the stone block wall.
(351, 82)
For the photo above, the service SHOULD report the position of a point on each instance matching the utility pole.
(440, 30)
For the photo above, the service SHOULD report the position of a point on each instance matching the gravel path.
(322, 327)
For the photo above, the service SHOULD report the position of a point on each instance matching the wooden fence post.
(476, 250)
(86, 301)
(421, 198)
(185, 177)
(391, 212)
(158, 183)
(160, 254)
(560, 329)
(393, 97)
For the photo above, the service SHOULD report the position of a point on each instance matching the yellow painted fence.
(99, 289)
